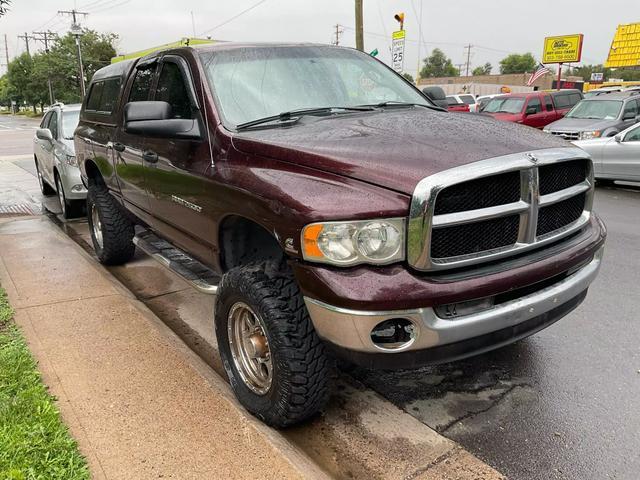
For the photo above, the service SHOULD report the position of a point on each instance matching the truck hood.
(394, 149)
(505, 117)
(580, 124)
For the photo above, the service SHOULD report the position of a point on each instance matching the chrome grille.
(565, 135)
(498, 207)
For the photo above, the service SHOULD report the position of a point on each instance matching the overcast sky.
(494, 27)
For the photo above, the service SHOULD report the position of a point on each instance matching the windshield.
(257, 82)
(596, 109)
(69, 123)
(504, 105)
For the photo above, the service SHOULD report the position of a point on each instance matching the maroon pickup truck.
(334, 211)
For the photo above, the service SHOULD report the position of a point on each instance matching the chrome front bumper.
(351, 329)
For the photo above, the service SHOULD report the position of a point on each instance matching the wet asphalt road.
(563, 404)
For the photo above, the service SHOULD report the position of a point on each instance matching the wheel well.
(93, 173)
(243, 241)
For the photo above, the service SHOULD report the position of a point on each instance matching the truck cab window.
(173, 90)
(93, 102)
(141, 85)
(548, 103)
(535, 102)
(109, 95)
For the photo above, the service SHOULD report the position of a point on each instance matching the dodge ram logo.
(532, 158)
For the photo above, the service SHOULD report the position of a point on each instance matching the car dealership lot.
(557, 405)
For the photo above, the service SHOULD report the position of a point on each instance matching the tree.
(3, 6)
(585, 72)
(483, 70)
(408, 76)
(28, 76)
(5, 91)
(438, 65)
(518, 63)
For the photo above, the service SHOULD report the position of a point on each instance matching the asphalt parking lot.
(561, 404)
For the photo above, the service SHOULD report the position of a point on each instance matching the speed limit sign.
(397, 50)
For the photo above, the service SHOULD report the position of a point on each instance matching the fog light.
(454, 310)
(394, 334)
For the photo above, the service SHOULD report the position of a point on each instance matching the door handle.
(150, 156)
(118, 147)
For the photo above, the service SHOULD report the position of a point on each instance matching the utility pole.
(338, 32)
(468, 49)
(419, 42)
(76, 30)
(26, 41)
(6, 50)
(45, 37)
(359, 27)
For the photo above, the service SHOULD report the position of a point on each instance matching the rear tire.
(70, 208)
(111, 230)
(301, 370)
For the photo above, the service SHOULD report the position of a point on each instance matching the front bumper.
(438, 339)
(72, 183)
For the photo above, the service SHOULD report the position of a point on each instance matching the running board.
(199, 276)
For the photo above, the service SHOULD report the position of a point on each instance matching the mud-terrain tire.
(301, 368)
(111, 230)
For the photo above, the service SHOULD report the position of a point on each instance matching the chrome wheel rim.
(63, 203)
(250, 348)
(96, 225)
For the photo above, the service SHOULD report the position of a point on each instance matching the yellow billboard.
(625, 48)
(562, 49)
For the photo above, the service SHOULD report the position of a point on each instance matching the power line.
(106, 6)
(26, 39)
(234, 17)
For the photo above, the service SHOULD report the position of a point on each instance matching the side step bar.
(199, 276)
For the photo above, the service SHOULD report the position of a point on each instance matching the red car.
(453, 105)
(535, 109)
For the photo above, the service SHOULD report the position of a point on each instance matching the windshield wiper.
(294, 115)
(394, 103)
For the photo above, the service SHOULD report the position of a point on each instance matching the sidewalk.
(140, 404)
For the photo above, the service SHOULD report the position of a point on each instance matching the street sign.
(562, 49)
(625, 48)
(397, 50)
(597, 77)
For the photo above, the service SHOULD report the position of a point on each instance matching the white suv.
(55, 158)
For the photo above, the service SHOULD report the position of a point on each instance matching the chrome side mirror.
(44, 134)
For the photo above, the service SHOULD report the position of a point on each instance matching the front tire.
(70, 208)
(45, 188)
(111, 230)
(277, 365)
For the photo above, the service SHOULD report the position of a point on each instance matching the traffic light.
(400, 19)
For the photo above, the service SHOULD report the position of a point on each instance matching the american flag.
(540, 71)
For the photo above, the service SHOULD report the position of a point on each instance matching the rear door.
(537, 119)
(48, 160)
(128, 148)
(43, 148)
(622, 159)
(552, 114)
(175, 174)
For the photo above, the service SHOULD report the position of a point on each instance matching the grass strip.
(34, 443)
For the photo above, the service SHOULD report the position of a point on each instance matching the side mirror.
(618, 138)
(153, 119)
(531, 111)
(44, 134)
(629, 116)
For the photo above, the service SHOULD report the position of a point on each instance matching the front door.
(176, 168)
(128, 148)
(537, 119)
(622, 159)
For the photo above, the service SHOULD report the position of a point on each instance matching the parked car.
(464, 99)
(53, 153)
(453, 105)
(482, 101)
(437, 96)
(535, 109)
(617, 157)
(601, 116)
(348, 218)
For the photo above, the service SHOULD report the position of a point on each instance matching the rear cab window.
(467, 99)
(452, 101)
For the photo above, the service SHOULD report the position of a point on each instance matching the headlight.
(590, 134)
(349, 243)
(71, 160)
